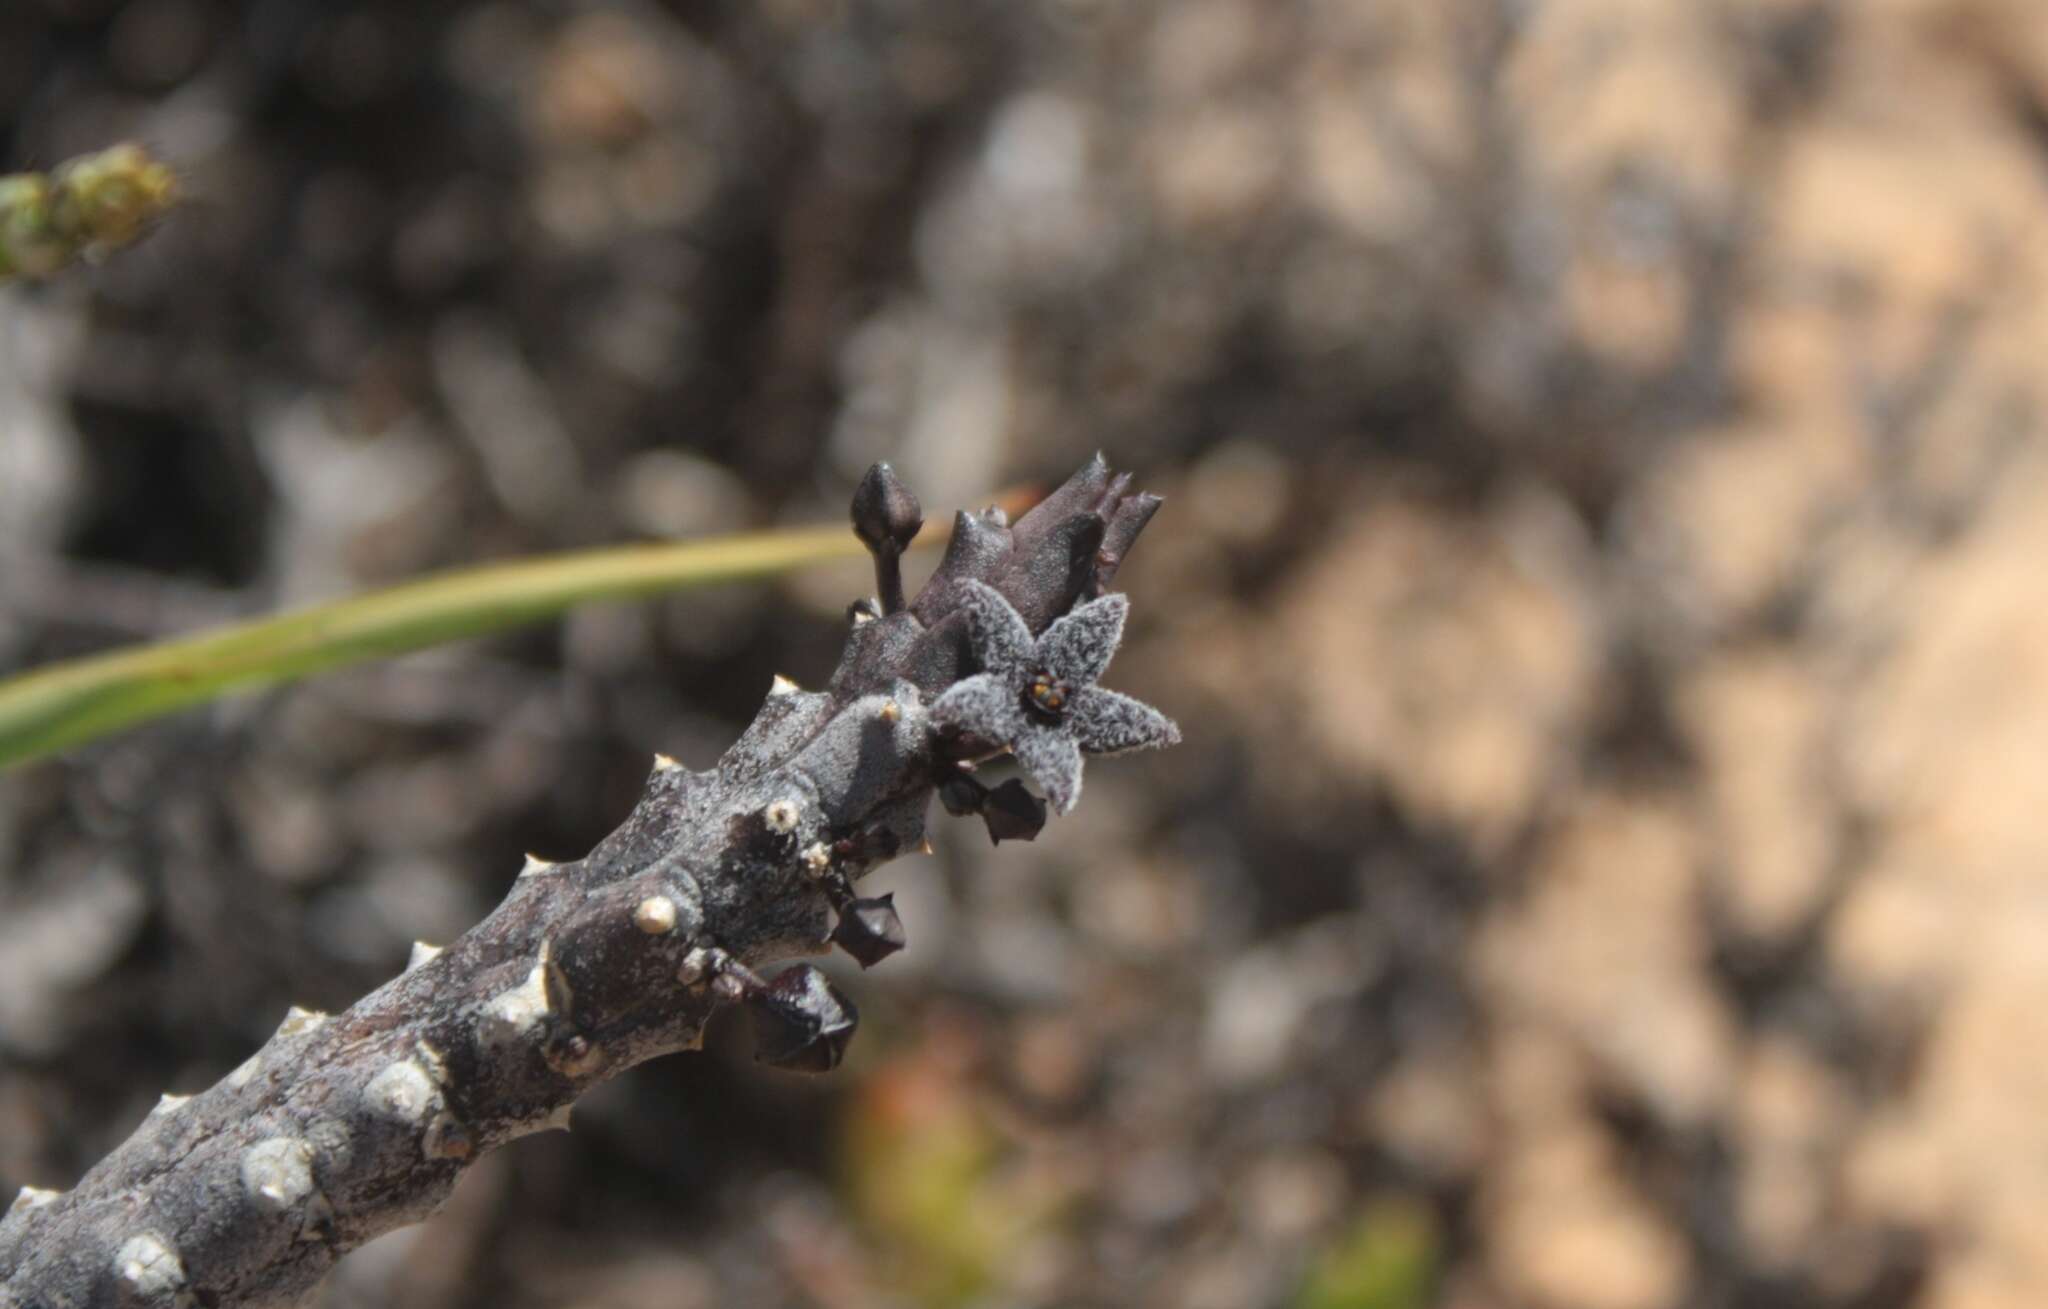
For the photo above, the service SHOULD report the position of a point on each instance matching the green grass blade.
(61, 705)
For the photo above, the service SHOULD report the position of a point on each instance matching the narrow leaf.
(66, 704)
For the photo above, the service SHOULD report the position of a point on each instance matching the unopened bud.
(801, 1021)
(1013, 813)
(962, 794)
(870, 930)
(885, 513)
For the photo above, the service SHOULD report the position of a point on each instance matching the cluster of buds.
(82, 209)
(998, 655)
(1011, 811)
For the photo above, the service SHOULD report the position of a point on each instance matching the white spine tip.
(245, 1071)
(924, 846)
(31, 1197)
(817, 859)
(403, 1093)
(890, 711)
(168, 1103)
(520, 1011)
(297, 1020)
(782, 686)
(422, 953)
(278, 1173)
(665, 764)
(780, 817)
(149, 1267)
(656, 915)
(536, 866)
(863, 615)
(695, 965)
(559, 1120)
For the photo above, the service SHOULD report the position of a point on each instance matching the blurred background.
(1600, 582)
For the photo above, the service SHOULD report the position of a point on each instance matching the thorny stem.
(341, 1128)
(81, 209)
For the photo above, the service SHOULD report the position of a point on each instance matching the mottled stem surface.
(344, 1127)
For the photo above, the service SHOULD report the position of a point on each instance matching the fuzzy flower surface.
(1037, 695)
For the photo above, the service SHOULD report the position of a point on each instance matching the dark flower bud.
(870, 930)
(886, 515)
(962, 794)
(801, 1021)
(1013, 813)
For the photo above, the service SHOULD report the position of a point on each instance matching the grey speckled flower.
(1038, 696)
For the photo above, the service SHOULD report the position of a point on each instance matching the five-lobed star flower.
(1038, 695)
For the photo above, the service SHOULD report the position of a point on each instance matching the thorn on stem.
(656, 915)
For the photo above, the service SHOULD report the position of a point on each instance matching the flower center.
(1046, 697)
